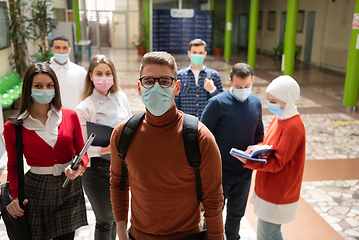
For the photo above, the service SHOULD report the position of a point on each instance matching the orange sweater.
(163, 188)
(279, 180)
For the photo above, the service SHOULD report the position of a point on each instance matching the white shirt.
(71, 79)
(196, 75)
(273, 213)
(108, 110)
(47, 132)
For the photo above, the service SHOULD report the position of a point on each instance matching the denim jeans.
(268, 231)
(236, 187)
(96, 182)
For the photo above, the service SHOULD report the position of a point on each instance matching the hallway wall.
(4, 61)
(332, 30)
(60, 4)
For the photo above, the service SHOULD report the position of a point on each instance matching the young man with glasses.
(198, 83)
(163, 187)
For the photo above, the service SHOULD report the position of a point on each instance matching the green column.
(290, 34)
(351, 87)
(77, 20)
(211, 5)
(147, 23)
(252, 41)
(228, 33)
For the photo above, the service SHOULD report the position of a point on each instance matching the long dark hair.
(26, 99)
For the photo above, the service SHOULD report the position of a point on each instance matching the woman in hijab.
(278, 182)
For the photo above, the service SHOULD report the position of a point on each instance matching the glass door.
(120, 38)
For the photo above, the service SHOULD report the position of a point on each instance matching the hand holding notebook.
(259, 154)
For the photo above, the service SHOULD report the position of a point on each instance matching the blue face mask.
(243, 93)
(42, 96)
(157, 99)
(61, 58)
(197, 59)
(274, 108)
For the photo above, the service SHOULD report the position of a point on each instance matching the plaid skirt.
(52, 210)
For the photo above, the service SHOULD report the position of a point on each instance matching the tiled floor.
(329, 204)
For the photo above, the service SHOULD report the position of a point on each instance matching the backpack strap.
(191, 145)
(125, 139)
(209, 73)
(20, 163)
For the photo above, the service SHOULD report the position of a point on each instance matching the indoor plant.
(218, 34)
(42, 24)
(140, 40)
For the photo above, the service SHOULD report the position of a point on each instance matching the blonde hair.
(88, 84)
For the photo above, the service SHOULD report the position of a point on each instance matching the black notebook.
(103, 133)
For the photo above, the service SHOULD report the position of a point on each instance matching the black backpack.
(190, 139)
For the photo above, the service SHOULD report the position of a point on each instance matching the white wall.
(320, 9)
(329, 30)
(4, 55)
(59, 4)
(4, 61)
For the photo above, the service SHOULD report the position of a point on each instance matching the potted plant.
(218, 34)
(42, 24)
(19, 33)
(140, 40)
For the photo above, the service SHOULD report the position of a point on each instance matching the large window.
(195, 4)
(165, 4)
(182, 4)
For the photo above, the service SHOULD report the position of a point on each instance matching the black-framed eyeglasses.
(149, 82)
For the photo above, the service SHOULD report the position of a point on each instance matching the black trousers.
(96, 182)
(236, 187)
(67, 236)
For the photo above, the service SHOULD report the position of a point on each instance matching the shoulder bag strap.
(20, 163)
(125, 139)
(191, 145)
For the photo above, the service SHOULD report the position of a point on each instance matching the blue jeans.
(236, 187)
(96, 182)
(268, 231)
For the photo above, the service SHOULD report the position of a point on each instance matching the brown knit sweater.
(163, 188)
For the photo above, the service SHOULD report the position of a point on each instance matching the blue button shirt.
(193, 98)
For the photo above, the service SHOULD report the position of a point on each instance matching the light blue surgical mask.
(197, 59)
(274, 108)
(42, 96)
(157, 99)
(242, 93)
(61, 57)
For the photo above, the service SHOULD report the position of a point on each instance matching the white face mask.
(61, 58)
(157, 99)
(242, 93)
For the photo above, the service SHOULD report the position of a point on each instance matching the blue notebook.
(259, 155)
